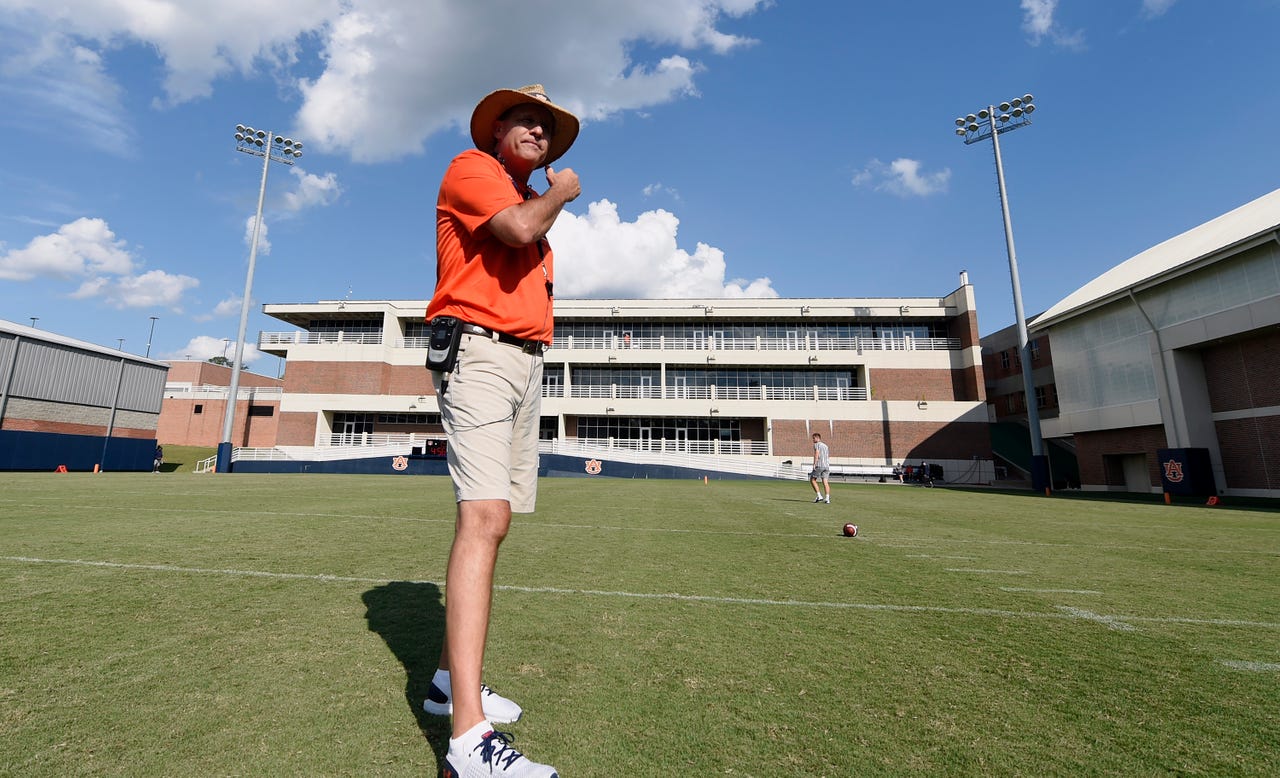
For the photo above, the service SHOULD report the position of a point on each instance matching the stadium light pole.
(151, 334)
(272, 148)
(34, 319)
(991, 122)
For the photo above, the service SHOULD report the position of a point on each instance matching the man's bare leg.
(481, 527)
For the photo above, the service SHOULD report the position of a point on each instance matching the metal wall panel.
(49, 371)
(7, 343)
(143, 388)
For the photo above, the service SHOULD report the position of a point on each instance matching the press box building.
(884, 380)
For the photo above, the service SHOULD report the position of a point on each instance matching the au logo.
(400, 463)
(1173, 471)
(593, 466)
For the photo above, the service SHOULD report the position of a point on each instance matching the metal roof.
(31, 333)
(1208, 242)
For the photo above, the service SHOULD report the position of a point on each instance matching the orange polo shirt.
(480, 279)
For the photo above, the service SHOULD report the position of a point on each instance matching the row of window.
(254, 410)
(694, 330)
(1046, 397)
(658, 428)
(749, 330)
(744, 378)
(1017, 356)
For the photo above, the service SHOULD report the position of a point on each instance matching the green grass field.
(269, 625)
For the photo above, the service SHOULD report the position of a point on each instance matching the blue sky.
(729, 147)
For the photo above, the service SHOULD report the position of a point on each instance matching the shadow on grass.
(410, 619)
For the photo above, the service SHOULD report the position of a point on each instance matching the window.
(1004, 359)
(262, 410)
(1035, 350)
(1042, 397)
(199, 408)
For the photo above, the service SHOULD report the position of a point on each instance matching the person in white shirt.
(821, 469)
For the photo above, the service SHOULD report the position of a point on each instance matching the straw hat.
(497, 103)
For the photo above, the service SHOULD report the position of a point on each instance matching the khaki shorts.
(491, 412)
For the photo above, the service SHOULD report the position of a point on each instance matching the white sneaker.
(496, 707)
(818, 498)
(495, 756)
(828, 499)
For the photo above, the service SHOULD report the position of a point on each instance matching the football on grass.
(851, 530)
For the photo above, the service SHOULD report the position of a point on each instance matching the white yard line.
(1066, 614)
(1111, 622)
(1253, 667)
(1048, 591)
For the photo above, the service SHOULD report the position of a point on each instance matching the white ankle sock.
(467, 741)
(441, 680)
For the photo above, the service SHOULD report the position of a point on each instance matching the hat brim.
(499, 102)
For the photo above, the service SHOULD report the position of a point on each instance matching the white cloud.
(152, 289)
(83, 247)
(1154, 8)
(227, 307)
(660, 189)
(600, 256)
(1039, 23)
(205, 347)
(264, 245)
(377, 96)
(87, 250)
(47, 78)
(312, 190)
(902, 177)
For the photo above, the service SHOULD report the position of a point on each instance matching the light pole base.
(223, 463)
(1040, 479)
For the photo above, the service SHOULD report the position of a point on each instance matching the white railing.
(659, 343)
(377, 438)
(174, 391)
(752, 461)
(666, 445)
(718, 343)
(314, 338)
(208, 465)
(749, 457)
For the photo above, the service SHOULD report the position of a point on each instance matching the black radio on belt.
(442, 347)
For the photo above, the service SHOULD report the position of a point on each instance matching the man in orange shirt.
(494, 274)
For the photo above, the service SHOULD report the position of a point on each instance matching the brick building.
(1177, 348)
(195, 401)
(884, 380)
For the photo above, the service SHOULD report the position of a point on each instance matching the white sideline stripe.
(1064, 614)
(1048, 591)
(199, 570)
(897, 541)
(1112, 622)
(934, 556)
(1253, 667)
(980, 570)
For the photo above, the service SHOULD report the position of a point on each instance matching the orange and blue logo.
(400, 463)
(593, 467)
(1173, 471)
